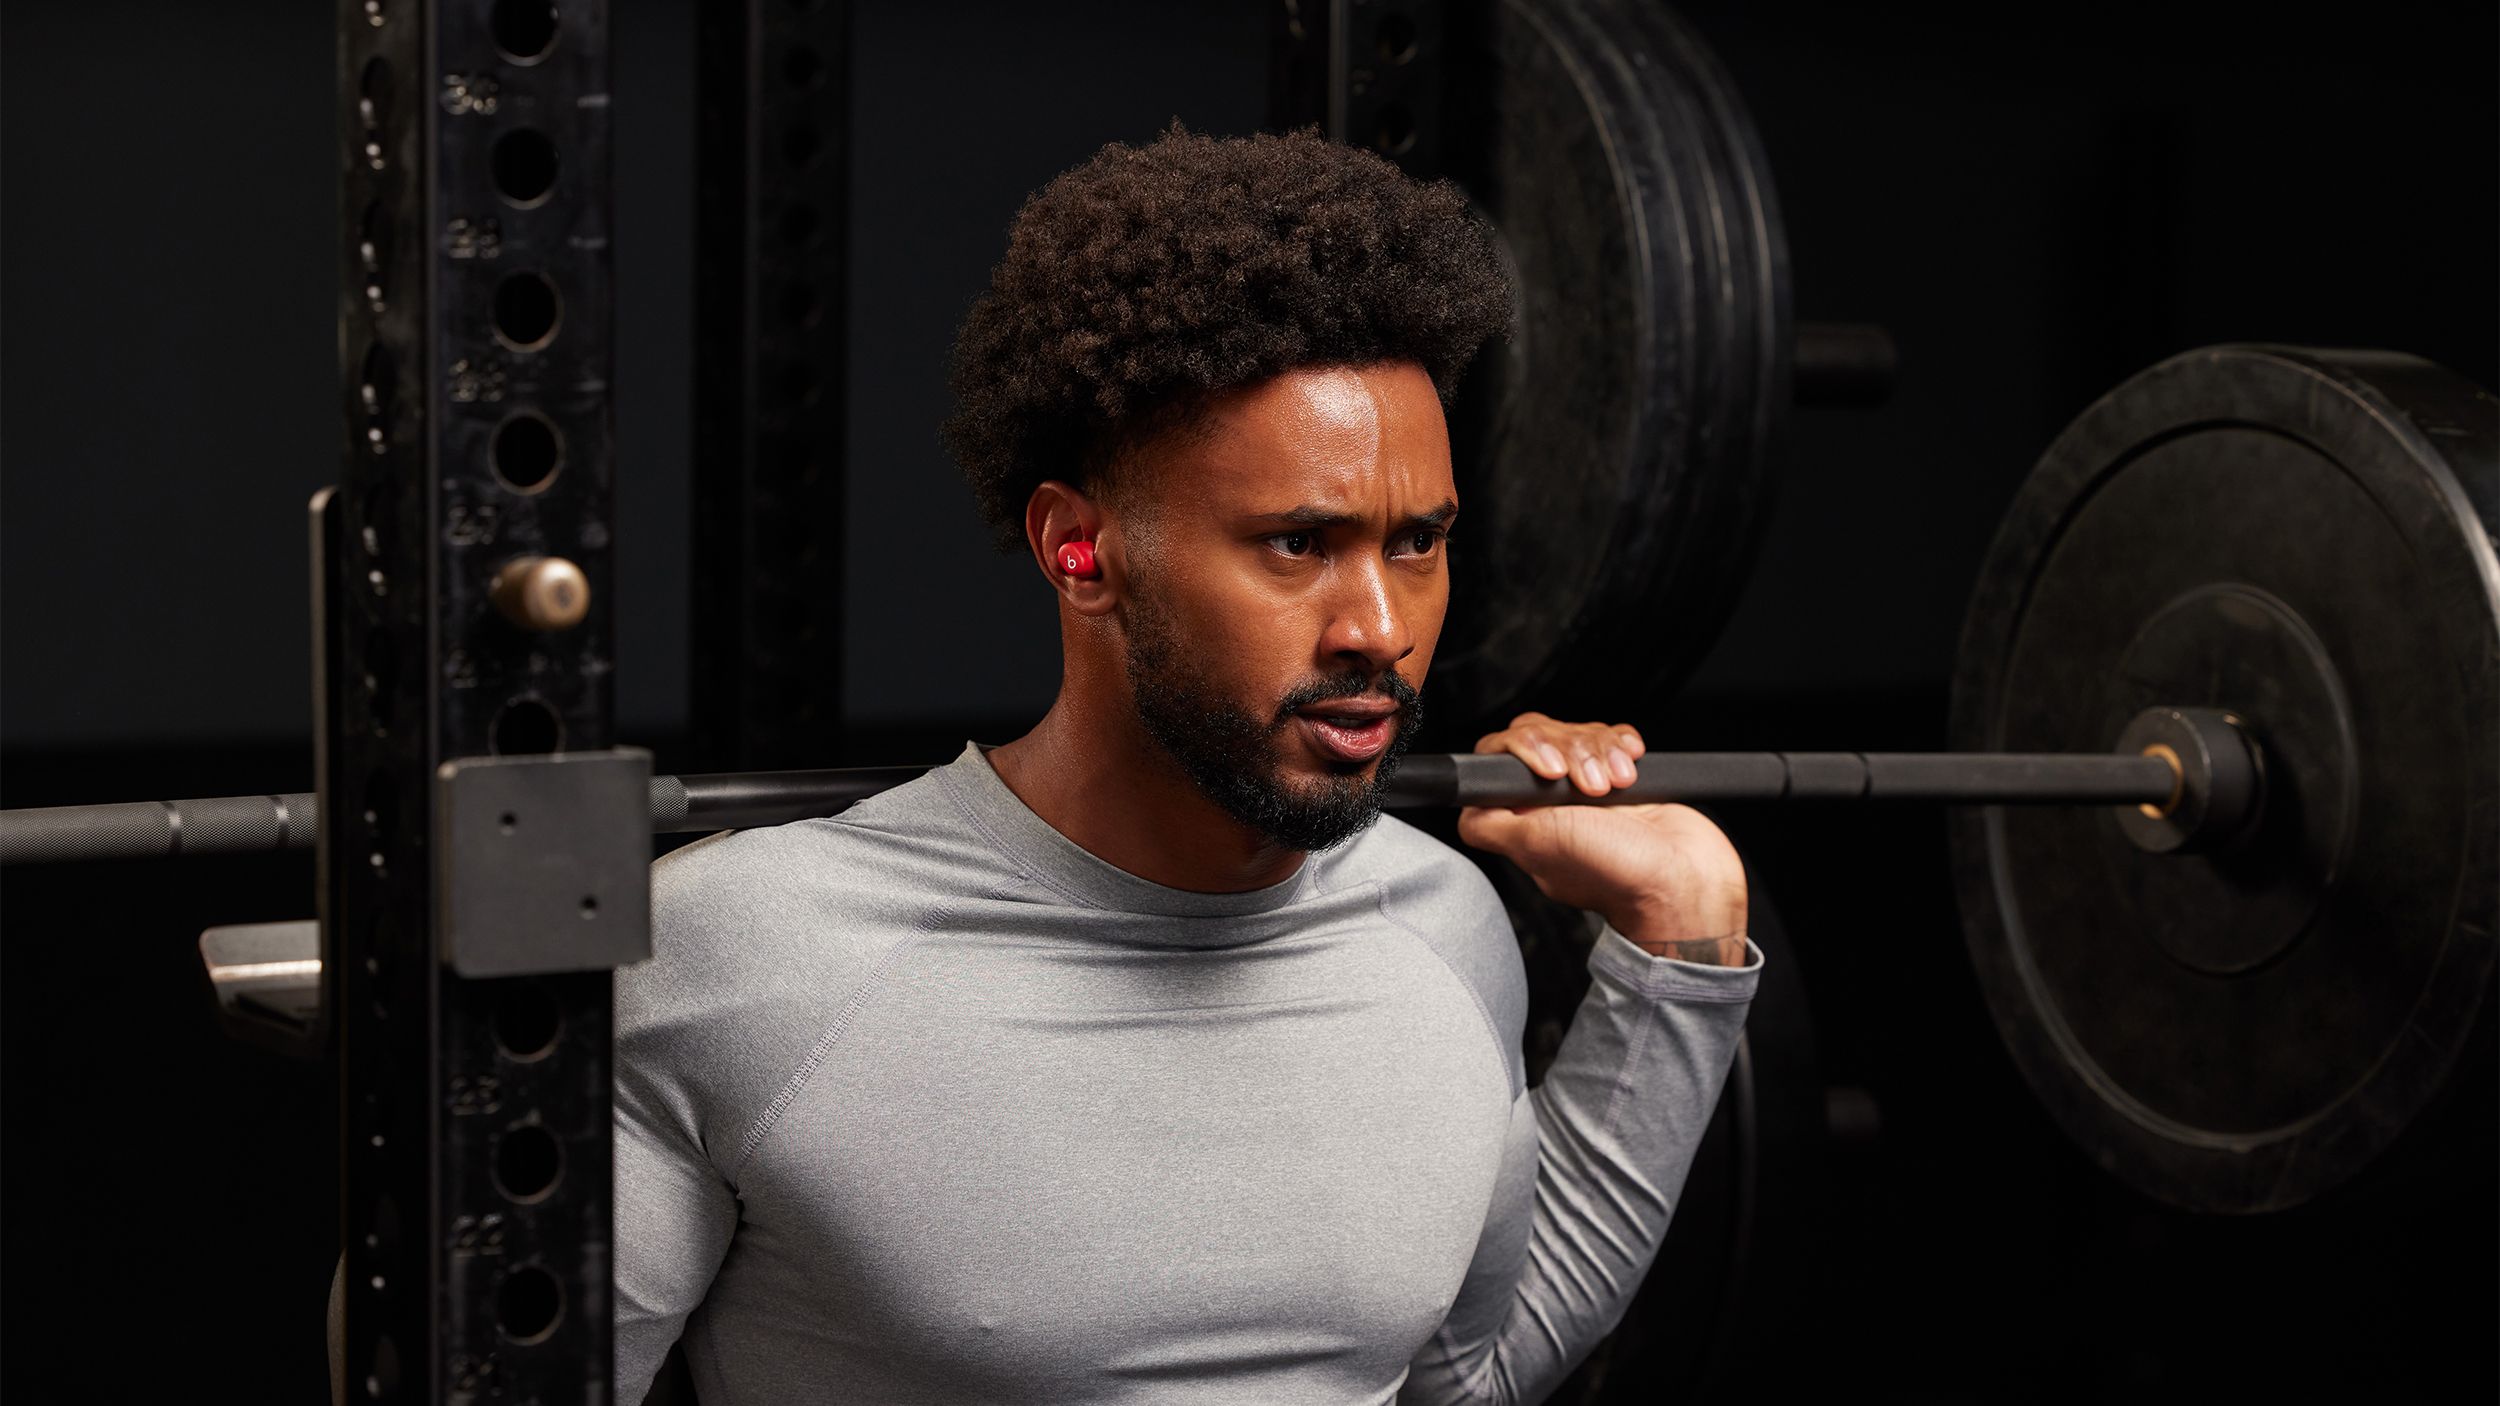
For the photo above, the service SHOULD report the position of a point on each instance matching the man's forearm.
(1619, 1115)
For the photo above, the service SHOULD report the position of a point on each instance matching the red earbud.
(1077, 558)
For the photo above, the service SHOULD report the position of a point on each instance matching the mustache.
(1404, 694)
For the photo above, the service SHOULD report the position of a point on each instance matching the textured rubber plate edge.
(2448, 425)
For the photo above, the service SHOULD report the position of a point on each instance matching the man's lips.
(1350, 733)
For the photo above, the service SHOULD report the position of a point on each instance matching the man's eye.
(1292, 544)
(1424, 540)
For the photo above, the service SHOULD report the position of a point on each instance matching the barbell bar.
(2187, 776)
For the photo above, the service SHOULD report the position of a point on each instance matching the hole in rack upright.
(527, 452)
(523, 164)
(524, 29)
(529, 1304)
(527, 310)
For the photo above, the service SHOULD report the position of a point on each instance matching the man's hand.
(1663, 875)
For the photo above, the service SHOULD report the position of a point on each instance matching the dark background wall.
(2037, 201)
(2037, 206)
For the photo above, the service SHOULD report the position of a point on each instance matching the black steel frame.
(474, 345)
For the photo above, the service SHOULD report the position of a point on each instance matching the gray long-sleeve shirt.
(925, 1103)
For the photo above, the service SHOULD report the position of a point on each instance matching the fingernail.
(1553, 756)
(1625, 772)
(1593, 774)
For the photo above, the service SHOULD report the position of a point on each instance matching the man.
(1139, 1058)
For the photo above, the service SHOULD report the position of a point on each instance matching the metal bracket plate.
(544, 862)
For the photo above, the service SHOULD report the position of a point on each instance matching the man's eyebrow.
(1304, 515)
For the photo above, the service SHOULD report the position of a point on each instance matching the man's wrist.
(1728, 951)
(1714, 936)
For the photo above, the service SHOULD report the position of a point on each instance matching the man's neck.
(1095, 776)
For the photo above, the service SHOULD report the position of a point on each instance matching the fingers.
(1615, 747)
(1598, 757)
(1529, 738)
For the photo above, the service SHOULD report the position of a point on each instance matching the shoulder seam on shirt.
(1492, 1030)
(766, 1121)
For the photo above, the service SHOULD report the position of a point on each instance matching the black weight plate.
(1726, 1287)
(1613, 457)
(2304, 538)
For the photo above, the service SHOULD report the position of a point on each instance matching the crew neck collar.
(1073, 870)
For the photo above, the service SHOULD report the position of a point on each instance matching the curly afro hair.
(1138, 285)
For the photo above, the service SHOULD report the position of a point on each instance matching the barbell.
(2198, 776)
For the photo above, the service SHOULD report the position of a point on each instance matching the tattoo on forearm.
(1709, 951)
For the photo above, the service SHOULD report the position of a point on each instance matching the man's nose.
(1367, 622)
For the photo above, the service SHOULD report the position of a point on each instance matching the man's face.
(1286, 591)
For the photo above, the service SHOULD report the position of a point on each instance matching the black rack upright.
(470, 906)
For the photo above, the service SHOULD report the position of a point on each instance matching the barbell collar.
(2221, 780)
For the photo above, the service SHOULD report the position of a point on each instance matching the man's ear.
(1058, 514)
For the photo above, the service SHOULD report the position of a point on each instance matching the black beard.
(1234, 758)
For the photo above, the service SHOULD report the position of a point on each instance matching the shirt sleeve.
(676, 1209)
(747, 952)
(674, 1217)
(1596, 1159)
